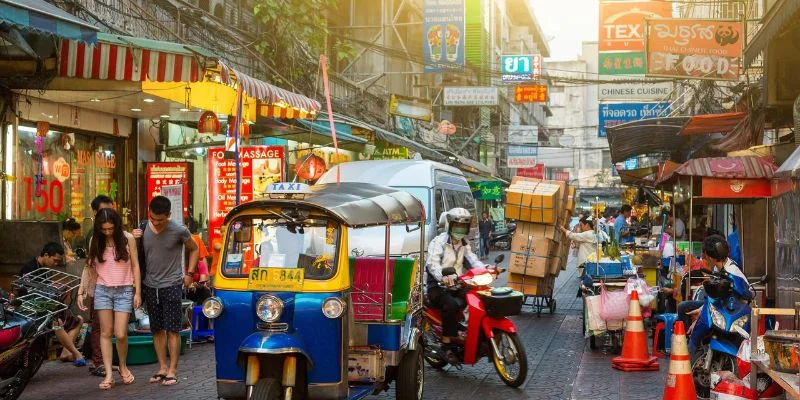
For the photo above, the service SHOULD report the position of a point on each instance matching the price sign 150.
(51, 199)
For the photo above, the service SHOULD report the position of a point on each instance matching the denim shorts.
(117, 298)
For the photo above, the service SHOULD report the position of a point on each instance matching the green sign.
(486, 190)
(625, 63)
(390, 153)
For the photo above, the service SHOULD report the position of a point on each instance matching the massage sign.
(696, 49)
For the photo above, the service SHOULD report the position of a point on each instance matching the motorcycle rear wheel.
(511, 347)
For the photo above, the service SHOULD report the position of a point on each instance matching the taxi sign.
(287, 189)
(276, 279)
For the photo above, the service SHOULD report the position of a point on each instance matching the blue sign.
(443, 44)
(520, 68)
(612, 114)
(631, 163)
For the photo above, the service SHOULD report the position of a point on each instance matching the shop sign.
(530, 94)
(631, 163)
(694, 48)
(521, 68)
(471, 96)
(61, 169)
(611, 114)
(410, 107)
(161, 174)
(536, 172)
(522, 156)
(443, 27)
(622, 63)
(486, 190)
(622, 23)
(175, 194)
(258, 165)
(561, 176)
(390, 153)
(644, 90)
(519, 134)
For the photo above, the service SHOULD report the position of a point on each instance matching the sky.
(567, 23)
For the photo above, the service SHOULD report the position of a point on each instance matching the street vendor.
(622, 232)
(585, 238)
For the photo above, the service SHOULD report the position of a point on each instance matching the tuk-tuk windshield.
(273, 242)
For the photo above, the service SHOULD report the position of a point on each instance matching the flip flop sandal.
(128, 379)
(158, 378)
(169, 381)
(79, 363)
(105, 385)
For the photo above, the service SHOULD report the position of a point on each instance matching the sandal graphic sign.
(443, 44)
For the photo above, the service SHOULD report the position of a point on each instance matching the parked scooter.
(501, 240)
(488, 333)
(714, 340)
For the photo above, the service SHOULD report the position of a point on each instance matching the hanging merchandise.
(311, 168)
(208, 123)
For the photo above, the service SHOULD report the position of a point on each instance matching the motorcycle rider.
(450, 249)
(715, 252)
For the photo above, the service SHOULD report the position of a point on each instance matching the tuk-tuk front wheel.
(411, 376)
(266, 389)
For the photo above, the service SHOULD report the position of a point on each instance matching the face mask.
(458, 233)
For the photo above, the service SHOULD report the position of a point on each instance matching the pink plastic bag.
(613, 305)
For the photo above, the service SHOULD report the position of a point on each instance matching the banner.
(160, 174)
(644, 90)
(694, 48)
(471, 96)
(486, 190)
(612, 114)
(443, 44)
(520, 134)
(522, 156)
(535, 172)
(260, 166)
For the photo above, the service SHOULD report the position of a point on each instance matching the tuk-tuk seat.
(368, 287)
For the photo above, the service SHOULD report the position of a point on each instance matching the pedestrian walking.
(115, 268)
(162, 244)
(485, 229)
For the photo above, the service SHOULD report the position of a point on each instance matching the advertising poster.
(260, 166)
(443, 44)
(175, 195)
(612, 114)
(160, 174)
(694, 48)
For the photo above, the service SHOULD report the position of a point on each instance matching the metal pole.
(691, 243)
(741, 234)
(766, 240)
(386, 301)
(597, 227)
(754, 314)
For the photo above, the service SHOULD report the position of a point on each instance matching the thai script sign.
(694, 48)
(471, 96)
(522, 156)
(530, 94)
(521, 68)
(612, 114)
(443, 44)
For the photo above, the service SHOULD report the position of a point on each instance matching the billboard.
(626, 89)
(612, 114)
(622, 34)
(520, 68)
(471, 96)
(443, 44)
(694, 48)
(522, 156)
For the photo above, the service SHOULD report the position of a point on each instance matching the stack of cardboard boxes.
(539, 248)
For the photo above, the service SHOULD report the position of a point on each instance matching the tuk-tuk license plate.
(276, 279)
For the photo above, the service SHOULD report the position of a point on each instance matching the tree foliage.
(296, 32)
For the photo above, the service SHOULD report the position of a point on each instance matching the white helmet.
(458, 222)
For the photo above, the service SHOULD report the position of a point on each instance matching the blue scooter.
(715, 341)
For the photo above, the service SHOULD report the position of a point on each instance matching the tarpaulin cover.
(726, 167)
(713, 123)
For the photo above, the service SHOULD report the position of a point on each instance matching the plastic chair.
(664, 323)
(201, 326)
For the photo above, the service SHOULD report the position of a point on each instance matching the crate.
(141, 350)
(531, 286)
(615, 269)
(499, 306)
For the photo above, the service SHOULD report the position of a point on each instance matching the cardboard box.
(533, 262)
(531, 286)
(533, 202)
(571, 198)
(526, 230)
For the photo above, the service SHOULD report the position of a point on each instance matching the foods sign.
(697, 49)
(443, 44)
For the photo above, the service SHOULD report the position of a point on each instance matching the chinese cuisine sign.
(697, 49)
(443, 44)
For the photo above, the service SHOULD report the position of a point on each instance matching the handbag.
(613, 305)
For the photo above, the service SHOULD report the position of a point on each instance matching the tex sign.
(622, 23)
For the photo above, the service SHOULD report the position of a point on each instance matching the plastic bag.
(594, 322)
(640, 286)
(614, 305)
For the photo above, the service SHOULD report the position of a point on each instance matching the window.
(439, 206)
(556, 89)
(277, 242)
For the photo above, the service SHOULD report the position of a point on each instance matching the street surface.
(560, 366)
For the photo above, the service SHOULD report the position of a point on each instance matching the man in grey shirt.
(163, 242)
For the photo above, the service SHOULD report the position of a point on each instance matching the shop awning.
(639, 176)
(396, 139)
(42, 17)
(666, 135)
(725, 168)
(771, 24)
(266, 92)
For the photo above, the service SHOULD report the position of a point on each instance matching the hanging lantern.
(244, 128)
(208, 123)
(310, 168)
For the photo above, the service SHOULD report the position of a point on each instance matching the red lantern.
(310, 168)
(244, 128)
(208, 123)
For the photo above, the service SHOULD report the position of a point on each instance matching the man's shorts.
(117, 298)
(164, 308)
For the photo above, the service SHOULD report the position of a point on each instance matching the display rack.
(49, 282)
(36, 307)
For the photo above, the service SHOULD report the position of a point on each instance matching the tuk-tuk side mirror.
(448, 271)
(499, 259)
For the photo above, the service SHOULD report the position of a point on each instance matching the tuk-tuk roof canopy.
(354, 204)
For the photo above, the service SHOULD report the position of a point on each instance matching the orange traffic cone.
(634, 345)
(679, 384)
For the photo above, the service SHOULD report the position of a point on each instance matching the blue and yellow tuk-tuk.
(297, 317)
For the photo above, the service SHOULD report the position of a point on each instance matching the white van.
(438, 186)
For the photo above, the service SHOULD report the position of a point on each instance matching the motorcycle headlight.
(483, 280)
(212, 307)
(333, 307)
(717, 318)
(740, 322)
(269, 308)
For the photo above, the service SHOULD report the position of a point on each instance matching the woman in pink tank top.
(113, 255)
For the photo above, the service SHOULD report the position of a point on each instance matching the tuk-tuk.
(295, 316)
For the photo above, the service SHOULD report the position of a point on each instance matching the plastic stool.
(666, 321)
(658, 333)
(201, 326)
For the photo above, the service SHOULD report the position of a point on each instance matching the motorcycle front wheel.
(512, 362)
(430, 342)
(702, 378)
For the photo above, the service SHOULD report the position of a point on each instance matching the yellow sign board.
(276, 279)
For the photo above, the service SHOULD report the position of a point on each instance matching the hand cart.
(613, 337)
(543, 298)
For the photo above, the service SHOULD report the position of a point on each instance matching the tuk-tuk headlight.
(212, 307)
(333, 307)
(269, 308)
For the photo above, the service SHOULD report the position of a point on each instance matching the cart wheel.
(552, 306)
(267, 389)
(592, 342)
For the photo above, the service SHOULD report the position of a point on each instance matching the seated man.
(66, 326)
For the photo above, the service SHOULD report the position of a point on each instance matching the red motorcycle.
(488, 332)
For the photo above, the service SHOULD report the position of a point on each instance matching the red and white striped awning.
(273, 111)
(265, 92)
(108, 61)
